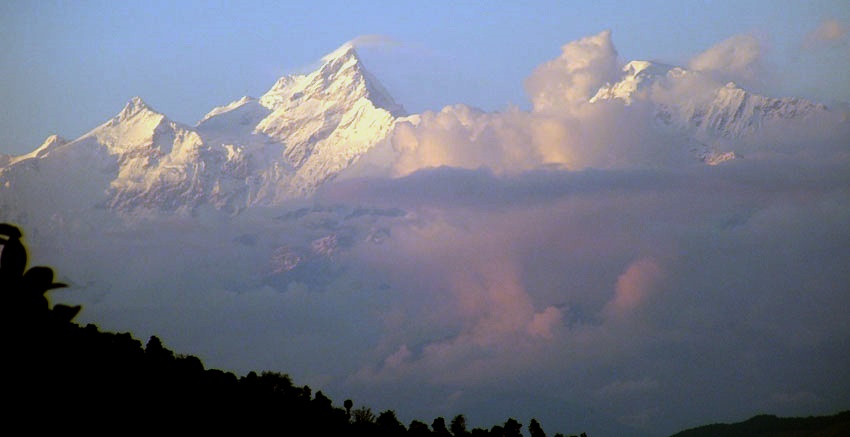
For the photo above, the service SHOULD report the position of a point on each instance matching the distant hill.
(772, 426)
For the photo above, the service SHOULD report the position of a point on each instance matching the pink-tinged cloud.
(635, 286)
(828, 33)
(738, 58)
(543, 324)
(572, 78)
(398, 357)
(620, 388)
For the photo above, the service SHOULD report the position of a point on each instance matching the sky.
(69, 66)
(522, 252)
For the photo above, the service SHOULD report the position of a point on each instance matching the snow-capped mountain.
(694, 102)
(306, 128)
(309, 129)
(302, 132)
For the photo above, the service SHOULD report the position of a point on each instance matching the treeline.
(58, 375)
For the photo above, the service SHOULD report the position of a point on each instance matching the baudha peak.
(344, 51)
(325, 120)
(133, 107)
(341, 77)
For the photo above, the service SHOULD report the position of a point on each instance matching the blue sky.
(69, 66)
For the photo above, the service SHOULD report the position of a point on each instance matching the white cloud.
(374, 40)
(572, 78)
(829, 33)
(738, 59)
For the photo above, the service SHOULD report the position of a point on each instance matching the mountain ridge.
(253, 151)
(716, 110)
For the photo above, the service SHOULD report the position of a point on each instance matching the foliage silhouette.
(535, 430)
(24, 291)
(458, 426)
(389, 425)
(418, 429)
(438, 426)
(512, 428)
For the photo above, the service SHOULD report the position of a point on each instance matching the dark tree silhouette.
(389, 425)
(364, 415)
(512, 428)
(418, 429)
(438, 426)
(480, 432)
(14, 256)
(24, 291)
(458, 426)
(348, 404)
(535, 429)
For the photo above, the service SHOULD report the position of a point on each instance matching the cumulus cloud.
(738, 58)
(573, 77)
(634, 287)
(652, 284)
(829, 33)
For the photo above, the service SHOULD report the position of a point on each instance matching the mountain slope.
(304, 131)
(706, 110)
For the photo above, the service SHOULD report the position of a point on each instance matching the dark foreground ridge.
(772, 426)
(60, 376)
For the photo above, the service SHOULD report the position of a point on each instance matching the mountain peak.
(133, 107)
(341, 78)
(49, 143)
(51, 140)
(636, 76)
(646, 68)
(344, 51)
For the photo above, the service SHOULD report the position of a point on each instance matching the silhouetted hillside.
(772, 426)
